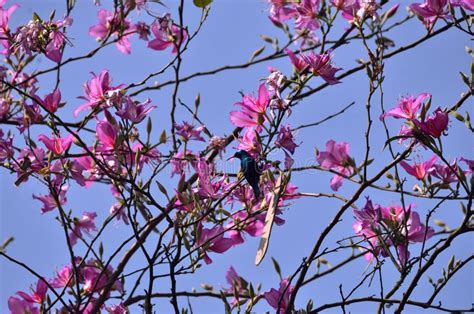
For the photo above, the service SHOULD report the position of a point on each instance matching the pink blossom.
(212, 240)
(95, 277)
(51, 101)
(250, 143)
(167, 34)
(19, 306)
(96, 91)
(237, 284)
(6, 147)
(321, 65)
(85, 224)
(298, 62)
(107, 134)
(466, 4)
(111, 23)
(444, 172)
(285, 139)
(181, 161)
(469, 163)
(274, 296)
(29, 161)
(430, 10)
(38, 295)
(79, 166)
(407, 107)
(189, 132)
(64, 278)
(117, 309)
(252, 110)
(49, 201)
(307, 15)
(336, 157)
(420, 170)
(120, 212)
(435, 125)
(4, 28)
(134, 111)
(56, 144)
(281, 11)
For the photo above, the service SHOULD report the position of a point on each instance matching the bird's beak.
(230, 158)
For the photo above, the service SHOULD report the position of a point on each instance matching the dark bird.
(250, 169)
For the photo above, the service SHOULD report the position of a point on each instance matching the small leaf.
(465, 79)
(457, 115)
(451, 263)
(163, 137)
(256, 53)
(277, 267)
(207, 287)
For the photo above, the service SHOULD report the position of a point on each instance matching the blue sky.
(230, 36)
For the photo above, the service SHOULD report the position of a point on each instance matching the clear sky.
(230, 36)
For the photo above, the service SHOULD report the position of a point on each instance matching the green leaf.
(457, 115)
(277, 267)
(202, 3)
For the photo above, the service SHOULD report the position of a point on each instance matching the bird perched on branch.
(249, 167)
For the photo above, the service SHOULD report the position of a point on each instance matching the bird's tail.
(256, 191)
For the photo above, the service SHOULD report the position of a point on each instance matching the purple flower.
(134, 111)
(407, 107)
(111, 23)
(336, 157)
(285, 139)
(284, 292)
(189, 132)
(321, 65)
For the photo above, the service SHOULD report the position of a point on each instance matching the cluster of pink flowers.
(417, 125)
(92, 275)
(277, 299)
(432, 10)
(319, 64)
(383, 227)
(166, 32)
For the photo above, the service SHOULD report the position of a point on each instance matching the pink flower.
(420, 171)
(321, 65)
(106, 134)
(117, 309)
(29, 161)
(64, 278)
(285, 139)
(85, 224)
(281, 11)
(134, 111)
(111, 23)
(49, 202)
(180, 161)
(6, 147)
(4, 28)
(435, 125)
(237, 284)
(252, 110)
(469, 163)
(51, 101)
(336, 157)
(298, 62)
(307, 15)
(167, 34)
(284, 292)
(120, 212)
(95, 277)
(250, 143)
(444, 172)
(407, 107)
(466, 4)
(96, 91)
(56, 144)
(189, 132)
(38, 295)
(430, 10)
(19, 306)
(212, 240)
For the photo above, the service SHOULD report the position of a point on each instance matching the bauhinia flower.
(5, 14)
(96, 91)
(407, 107)
(135, 111)
(298, 62)
(420, 170)
(49, 201)
(64, 278)
(56, 144)
(237, 284)
(189, 132)
(445, 173)
(435, 125)
(321, 65)
(51, 101)
(285, 139)
(431, 10)
(212, 240)
(85, 224)
(278, 299)
(307, 15)
(250, 142)
(253, 110)
(167, 34)
(26, 305)
(107, 134)
(336, 157)
(112, 23)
